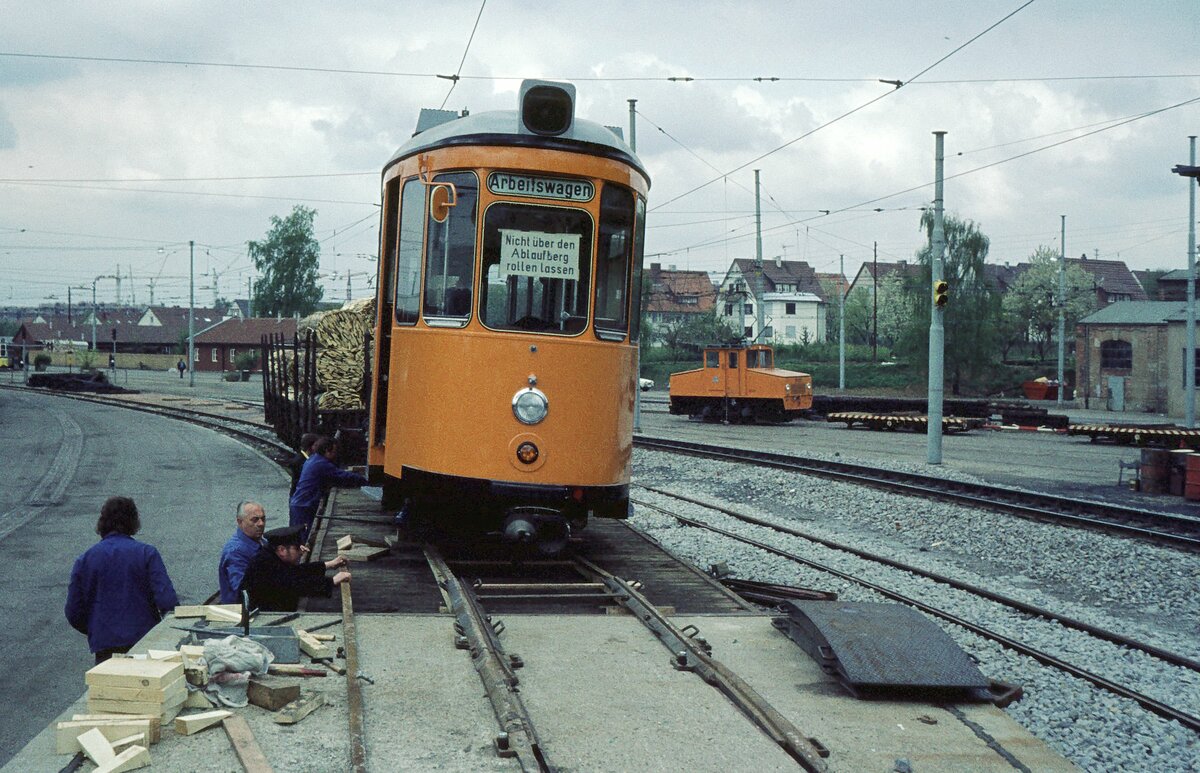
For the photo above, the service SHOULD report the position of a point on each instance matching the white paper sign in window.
(540, 254)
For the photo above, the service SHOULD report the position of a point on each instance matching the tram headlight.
(530, 405)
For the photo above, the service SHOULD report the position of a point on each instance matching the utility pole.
(1062, 309)
(841, 324)
(94, 313)
(347, 285)
(132, 287)
(1190, 359)
(937, 333)
(152, 283)
(117, 276)
(249, 296)
(758, 264)
(637, 350)
(216, 279)
(191, 313)
(875, 302)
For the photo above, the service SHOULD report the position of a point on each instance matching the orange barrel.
(1177, 477)
(1155, 471)
(1191, 481)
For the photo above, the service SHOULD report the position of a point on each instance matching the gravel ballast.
(1146, 592)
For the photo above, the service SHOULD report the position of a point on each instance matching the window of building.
(790, 331)
(690, 300)
(232, 354)
(790, 309)
(1183, 370)
(769, 331)
(214, 354)
(748, 308)
(1116, 355)
(196, 354)
(729, 309)
(748, 332)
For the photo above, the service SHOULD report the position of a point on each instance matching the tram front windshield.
(537, 263)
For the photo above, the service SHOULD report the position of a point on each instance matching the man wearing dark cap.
(276, 579)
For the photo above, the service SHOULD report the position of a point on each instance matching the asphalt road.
(64, 459)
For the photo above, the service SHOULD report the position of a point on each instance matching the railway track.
(1170, 529)
(944, 610)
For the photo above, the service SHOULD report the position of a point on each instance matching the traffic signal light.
(941, 294)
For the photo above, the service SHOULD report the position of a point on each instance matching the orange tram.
(508, 307)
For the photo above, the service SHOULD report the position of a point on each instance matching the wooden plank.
(66, 734)
(300, 708)
(363, 553)
(247, 749)
(96, 746)
(174, 655)
(101, 706)
(196, 699)
(358, 735)
(137, 738)
(164, 695)
(127, 672)
(223, 613)
(109, 718)
(131, 759)
(272, 692)
(194, 723)
(193, 610)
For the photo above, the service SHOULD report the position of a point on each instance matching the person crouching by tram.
(276, 580)
(319, 474)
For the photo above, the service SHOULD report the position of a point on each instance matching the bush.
(245, 361)
(42, 361)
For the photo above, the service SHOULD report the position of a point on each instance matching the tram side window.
(712, 359)
(733, 361)
(537, 268)
(450, 254)
(613, 261)
(409, 238)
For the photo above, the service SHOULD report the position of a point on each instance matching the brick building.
(219, 345)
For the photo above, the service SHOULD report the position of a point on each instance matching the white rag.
(231, 663)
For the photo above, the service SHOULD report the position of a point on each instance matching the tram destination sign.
(540, 254)
(505, 184)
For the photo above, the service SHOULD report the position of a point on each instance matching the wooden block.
(126, 672)
(120, 719)
(191, 650)
(96, 746)
(363, 553)
(323, 636)
(344, 543)
(131, 759)
(164, 695)
(196, 699)
(300, 708)
(158, 708)
(66, 734)
(136, 738)
(244, 745)
(195, 610)
(194, 723)
(173, 655)
(313, 648)
(223, 613)
(272, 692)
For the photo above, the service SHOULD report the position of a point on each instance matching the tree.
(287, 261)
(972, 316)
(1029, 307)
(697, 331)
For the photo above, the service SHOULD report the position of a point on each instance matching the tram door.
(735, 362)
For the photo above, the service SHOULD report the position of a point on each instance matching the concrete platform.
(603, 696)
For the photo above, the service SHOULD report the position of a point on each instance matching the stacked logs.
(340, 356)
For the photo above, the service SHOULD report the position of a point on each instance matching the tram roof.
(501, 127)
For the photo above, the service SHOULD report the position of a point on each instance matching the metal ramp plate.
(883, 650)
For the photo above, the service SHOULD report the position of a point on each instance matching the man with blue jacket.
(119, 588)
(241, 549)
(319, 474)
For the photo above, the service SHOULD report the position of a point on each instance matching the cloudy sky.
(129, 128)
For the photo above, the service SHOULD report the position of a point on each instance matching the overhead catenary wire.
(458, 73)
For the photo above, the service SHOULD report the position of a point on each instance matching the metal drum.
(1155, 471)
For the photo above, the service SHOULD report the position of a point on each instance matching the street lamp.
(1193, 172)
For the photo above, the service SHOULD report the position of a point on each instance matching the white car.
(645, 384)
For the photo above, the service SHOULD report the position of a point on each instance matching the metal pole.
(191, 314)
(758, 264)
(94, 313)
(875, 302)
(841, 325)
(937, 333)
(1190, 366)
(1062, 309)
(637, 349)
